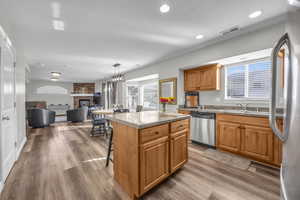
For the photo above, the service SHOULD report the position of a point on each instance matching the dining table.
(103, 111)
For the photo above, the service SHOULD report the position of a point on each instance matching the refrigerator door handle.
(272, 116)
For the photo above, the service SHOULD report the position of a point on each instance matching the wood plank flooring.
(63, 162)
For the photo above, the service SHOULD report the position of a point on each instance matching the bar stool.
(111, 136)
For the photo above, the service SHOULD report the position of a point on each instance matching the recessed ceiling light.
(255, 14)
(55, 10)
(164, 8)
(56, 74)
(198, 37)
(58, 25)
(54, 79)
(294, 2)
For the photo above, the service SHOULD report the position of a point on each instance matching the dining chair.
(139, 108)
(99, 124)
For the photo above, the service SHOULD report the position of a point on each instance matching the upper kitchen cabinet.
(191, 80)
(202, 78)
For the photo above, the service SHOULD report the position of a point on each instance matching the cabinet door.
(154, 163)
(208, 79)
(229, 136)
(179, 149)
(257, 142)
(191, 80)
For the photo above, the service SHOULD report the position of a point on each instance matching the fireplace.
(84, 102)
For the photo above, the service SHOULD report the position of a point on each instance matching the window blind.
(251, 80)
(236, 81)
(259, 80)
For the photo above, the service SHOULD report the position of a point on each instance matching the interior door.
(7, 108)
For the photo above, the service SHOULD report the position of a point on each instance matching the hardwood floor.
(63, 162)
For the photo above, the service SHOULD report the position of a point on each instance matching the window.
(132, 96)
(149, 95)
(250, 80)
(143, 93)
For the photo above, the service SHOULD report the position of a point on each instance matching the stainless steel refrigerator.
(290, 136)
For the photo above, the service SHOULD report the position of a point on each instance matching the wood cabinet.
(154, 157)
(248, 136)
(179, 150)
(145, 157)
(202, 78)
(192, 80)
(185, 112)
(228, 136)
(150, 134)
(208, 78)
(257, 142)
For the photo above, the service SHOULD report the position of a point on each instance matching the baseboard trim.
(17, 158)
(21, 148)
(1, 187)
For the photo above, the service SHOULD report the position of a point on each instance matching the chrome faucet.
(243, 107)
(246, 107)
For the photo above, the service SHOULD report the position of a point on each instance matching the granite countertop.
(145, 119)
(233, 112)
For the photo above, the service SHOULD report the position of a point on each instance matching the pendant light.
(117, 74)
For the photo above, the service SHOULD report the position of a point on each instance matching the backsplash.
(229, 107)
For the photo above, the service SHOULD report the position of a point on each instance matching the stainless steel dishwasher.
(203, 128)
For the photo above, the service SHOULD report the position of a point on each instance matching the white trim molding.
(1, 186)
(19, 150)
(22, 144)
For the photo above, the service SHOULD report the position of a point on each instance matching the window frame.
(246, 97)
(140, 98)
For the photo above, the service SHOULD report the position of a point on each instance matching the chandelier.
(117, 74)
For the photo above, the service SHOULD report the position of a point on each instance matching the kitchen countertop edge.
(249, 113)
(147, 125)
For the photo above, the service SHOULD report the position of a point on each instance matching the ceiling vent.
(230, 31)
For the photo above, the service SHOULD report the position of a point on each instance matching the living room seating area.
(40, 118)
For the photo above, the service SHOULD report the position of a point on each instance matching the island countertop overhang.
(146, 119)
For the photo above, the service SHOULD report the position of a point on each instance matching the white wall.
(252, 41)
(56, 92)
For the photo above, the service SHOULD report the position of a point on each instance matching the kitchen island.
(148, 147)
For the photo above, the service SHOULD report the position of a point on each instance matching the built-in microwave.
(191, 99)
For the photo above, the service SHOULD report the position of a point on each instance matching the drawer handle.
(156, 132)
(180, 126)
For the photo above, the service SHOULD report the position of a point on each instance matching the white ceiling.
(99, 33)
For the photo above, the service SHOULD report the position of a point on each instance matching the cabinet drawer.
(185, 112)
(180, 125)
(153, 133)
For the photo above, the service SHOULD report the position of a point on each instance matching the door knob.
(5, 118)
